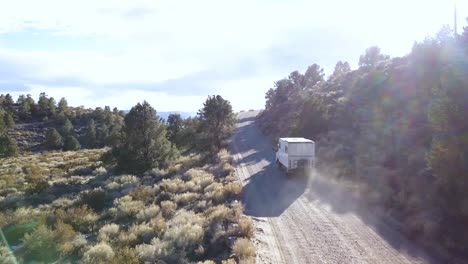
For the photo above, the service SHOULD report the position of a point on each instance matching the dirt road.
(309, 220)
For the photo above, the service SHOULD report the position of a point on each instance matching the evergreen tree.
(144, 143)
(174, 128)
(8, 103)
(52, 107)
(24, 111)
(71, 144)
(62, 106)
(90, 136)
(67, 128)
(8, 120)
(8, 147)
(53, 139)
(42, 106)
(217, 122)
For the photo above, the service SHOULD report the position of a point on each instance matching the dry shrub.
(148, 213)
(127, 239)
(24, 215)
(113, 185)
(41, 245)
(100, 253)
(81, 218)
(224, 156)
(143, 193)
(229, 261)
(143, 232)
(151, 253)
(173, 185)
(6, 181)
(6, 257)
(95, 199)
(243, 248)
(62, 202)
(35, 176)
(185, 229)
(233, 188)
(246, 227)
(220, 193)
(186, 198)
(101, 171)
(45, 244)
(158, 224)
(126, 255)
(81, 171)
(219, 213)
(206, 262)
(183, 237)
(127, 179)
(108, 232)
(126, 207)
(168, 208)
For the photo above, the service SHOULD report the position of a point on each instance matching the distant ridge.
(165, 115)
(184, 115)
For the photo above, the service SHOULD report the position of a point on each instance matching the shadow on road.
(268, 192)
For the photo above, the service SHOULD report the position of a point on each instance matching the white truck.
(295, 154)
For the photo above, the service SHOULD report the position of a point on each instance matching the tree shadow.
(267, 191)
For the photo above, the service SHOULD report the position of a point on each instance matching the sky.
(174, 54)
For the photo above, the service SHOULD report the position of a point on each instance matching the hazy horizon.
(174, 54)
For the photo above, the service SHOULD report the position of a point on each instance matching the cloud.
(180, 51)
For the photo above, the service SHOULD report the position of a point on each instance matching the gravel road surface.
(309, 219)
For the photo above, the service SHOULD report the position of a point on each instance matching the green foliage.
(62, 106)
(90, 136)
(448, 156)
(15, 233)
(95, 199)
(53, 139)
(395, 125)
(71, 144)
(8, 119)
(26, 106)
(46, 107)
(174, 128)
(47, 245)
(67, 129)
(216, 123)
(8, 147)
(144, 144)
(372, 57)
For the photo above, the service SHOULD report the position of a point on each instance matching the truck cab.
(295, 154)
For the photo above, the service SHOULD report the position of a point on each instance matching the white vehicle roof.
(297, 140)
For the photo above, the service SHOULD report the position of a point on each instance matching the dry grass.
(244, 249)
(89, 215)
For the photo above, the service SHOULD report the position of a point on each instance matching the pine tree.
(24, 111)
(144, 144)
(8, 147)
(8, 120)
(71, 144)
(90, 136)
(174, 128)
(62, 106)
(53, 139)
(67, 128)
(217, 122)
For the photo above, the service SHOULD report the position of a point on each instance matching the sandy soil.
(309, 219)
